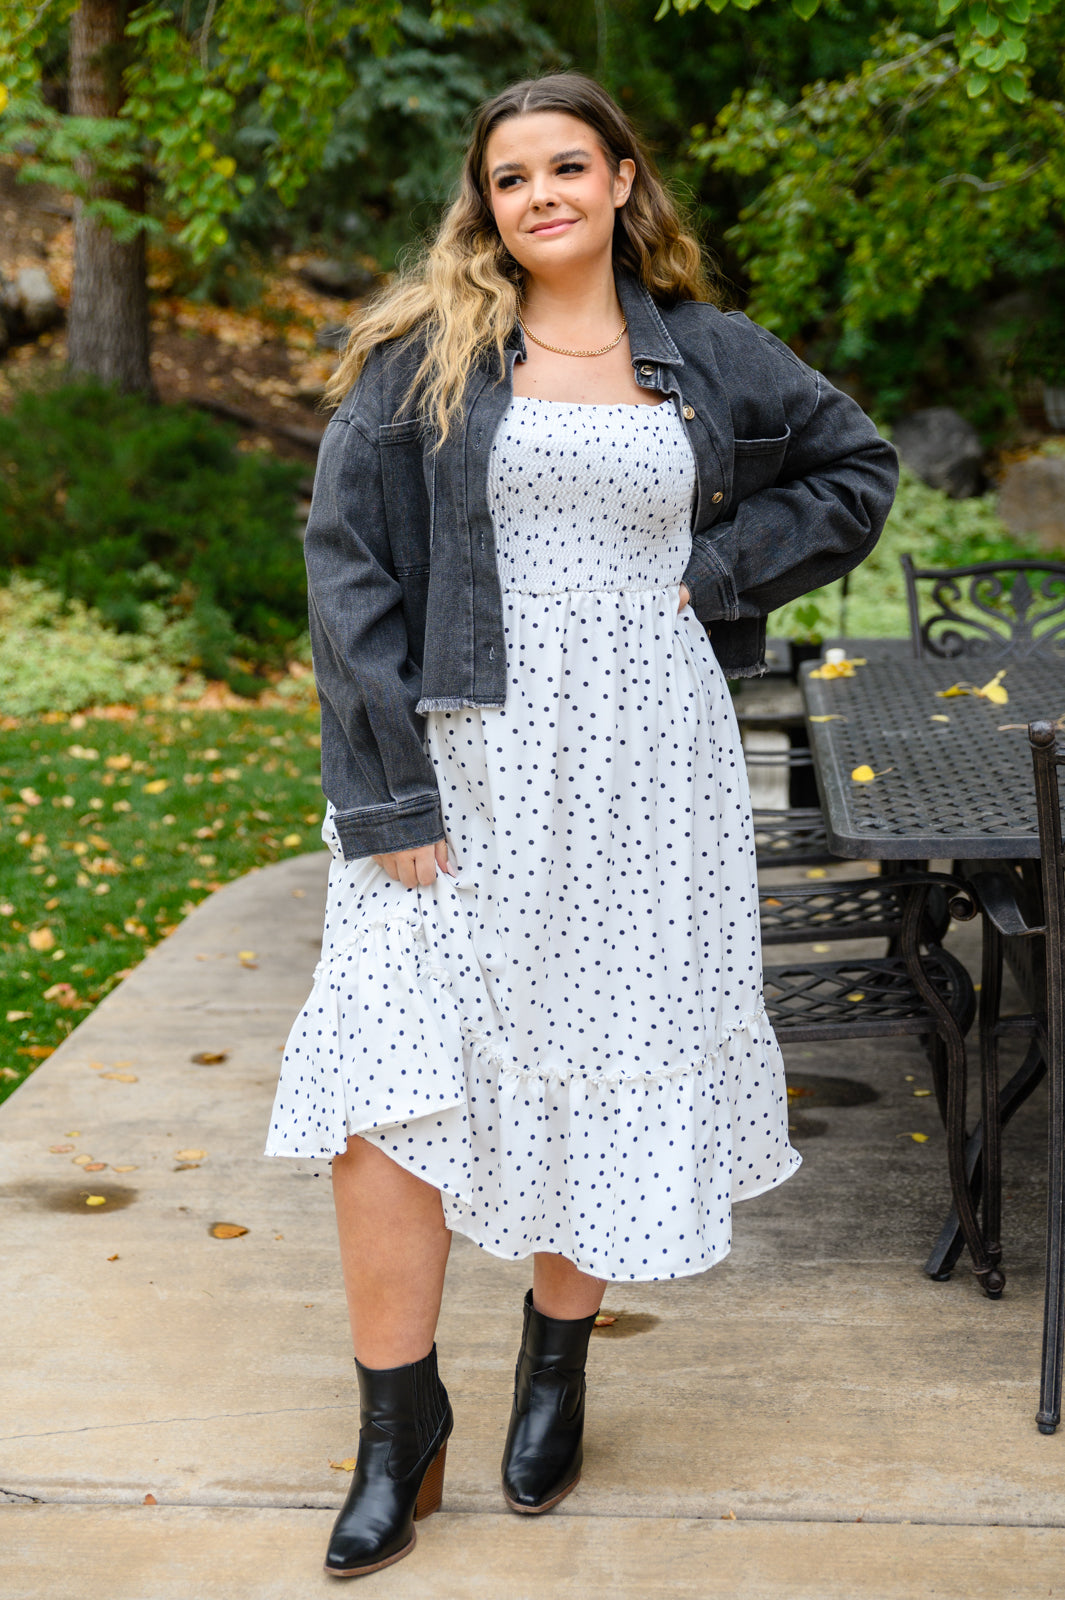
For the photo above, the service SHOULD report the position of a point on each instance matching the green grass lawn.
(112, 830)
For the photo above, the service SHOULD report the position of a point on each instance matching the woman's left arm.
(819, 517)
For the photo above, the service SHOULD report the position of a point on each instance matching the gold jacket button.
(689, 412)
(718, 497)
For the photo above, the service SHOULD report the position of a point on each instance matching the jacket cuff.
(710, 585)
(379, 830)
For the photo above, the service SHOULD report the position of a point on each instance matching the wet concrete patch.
(627, 1325)
(800, 1127)
(807, 1089)
(69, 1197)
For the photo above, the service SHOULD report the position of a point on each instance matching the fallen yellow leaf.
(41, 939)
(918, 1138)
(112, 1258)
(190, 1155)
(605, 1320)
(95, 1199)
(921, 1094)
(832, 716)
(245, 955)
(125, 1169)
(344, 1466)
(18, 1016)
(821, 949)
(939, 716)
(96, 1166)
(954, 690)
(815, 872)
(156, 786)
(291, 840)
(60, 1149)
(838, 669)
(210, 1058)
(226, 1230)
(856, 995)
(82, 1161)
(121, 1077)
(994, 691)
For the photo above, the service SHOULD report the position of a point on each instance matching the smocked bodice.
(590, 496)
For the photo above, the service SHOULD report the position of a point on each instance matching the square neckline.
(597, 405)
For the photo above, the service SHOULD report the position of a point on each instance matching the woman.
(555, 468)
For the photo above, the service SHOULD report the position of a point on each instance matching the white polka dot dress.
(567, 1038)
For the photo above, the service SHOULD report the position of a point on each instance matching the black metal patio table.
(954, 776)
(953, 779)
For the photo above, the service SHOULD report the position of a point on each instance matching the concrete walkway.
(812, 1418)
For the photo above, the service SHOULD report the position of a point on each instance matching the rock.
(1031, 500)
(942, 449)
(997, 335)
(35, 300)
(344, 279)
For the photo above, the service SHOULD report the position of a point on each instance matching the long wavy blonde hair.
(466, 289)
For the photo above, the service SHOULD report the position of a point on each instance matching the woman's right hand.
(416, 868)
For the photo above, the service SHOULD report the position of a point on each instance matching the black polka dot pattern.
(567, 1038)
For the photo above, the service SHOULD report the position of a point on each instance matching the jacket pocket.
(414, 582)
(406, 497)
(756, 464)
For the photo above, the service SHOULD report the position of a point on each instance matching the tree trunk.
(108, 324)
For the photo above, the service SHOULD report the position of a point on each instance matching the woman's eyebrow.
(518, 166)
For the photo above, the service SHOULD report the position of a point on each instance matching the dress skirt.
(567, 1037)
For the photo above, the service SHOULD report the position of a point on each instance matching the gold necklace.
(558, 350)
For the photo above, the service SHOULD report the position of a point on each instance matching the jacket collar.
(648, 337)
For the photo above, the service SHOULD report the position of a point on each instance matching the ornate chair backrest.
(995, 608)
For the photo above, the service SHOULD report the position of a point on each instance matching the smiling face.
(552, 192)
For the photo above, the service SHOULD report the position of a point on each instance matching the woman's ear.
(623, 180)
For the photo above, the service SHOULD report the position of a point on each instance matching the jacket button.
(718, 497)
(689, 412)
(647, 372)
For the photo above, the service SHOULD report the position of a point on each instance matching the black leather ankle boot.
(404, 1423)
(543, 1453)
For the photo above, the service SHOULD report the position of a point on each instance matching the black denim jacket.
(793, 487)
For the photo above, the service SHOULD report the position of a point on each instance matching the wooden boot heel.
(431, 1492)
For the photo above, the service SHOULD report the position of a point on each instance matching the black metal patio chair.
(918, 989)
(1031, 937)
(999, 609)
(792, 835)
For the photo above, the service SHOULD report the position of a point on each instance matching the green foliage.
(877, 187)
(153, 516)
(928, 525)
(61, 656)
(989, 37)
(191, 65)
(112, 831)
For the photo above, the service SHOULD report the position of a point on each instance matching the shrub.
(115, 501)
(936, 530)
(57, 655)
